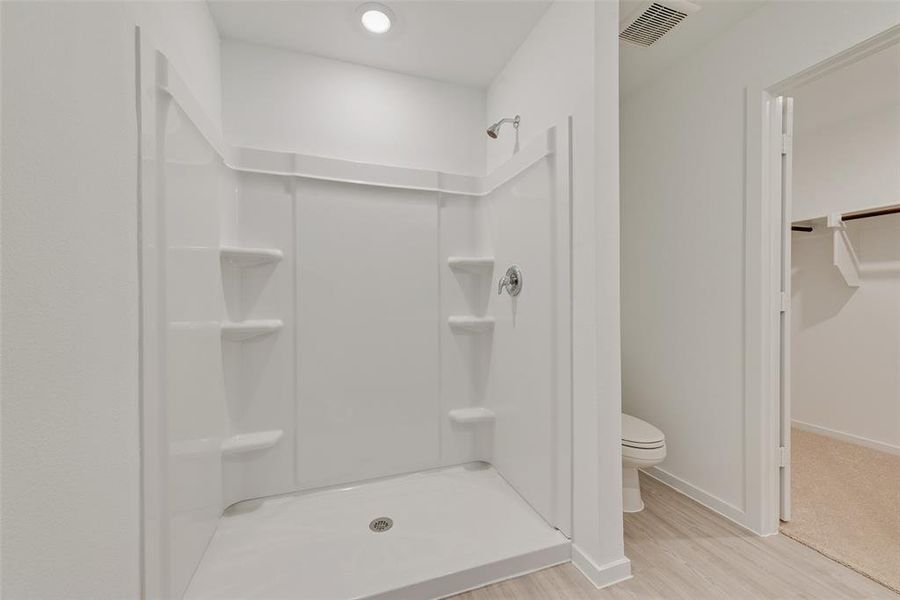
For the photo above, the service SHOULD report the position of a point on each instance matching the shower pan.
(336, 403)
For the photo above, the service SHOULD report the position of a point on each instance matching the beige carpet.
(846, 504)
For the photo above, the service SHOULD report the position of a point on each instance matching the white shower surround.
(532, 446)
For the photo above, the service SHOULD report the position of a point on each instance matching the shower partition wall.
(311, 322)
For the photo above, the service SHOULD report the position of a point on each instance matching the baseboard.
(847, 437)
(601, 576)
(717, 505)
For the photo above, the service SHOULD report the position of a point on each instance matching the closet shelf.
(467, 324)
(247, 330)
(250, 257)
(471, 416)
(471, 263)
(843, 255)
(248, 442)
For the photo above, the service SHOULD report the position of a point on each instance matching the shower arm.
(514, 120)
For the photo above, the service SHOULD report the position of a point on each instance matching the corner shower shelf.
(248, 442)
(250, 257)
(471, 324)
(471, 263)
(471, 416)
(247, 330)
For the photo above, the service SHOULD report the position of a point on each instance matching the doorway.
(832, 145)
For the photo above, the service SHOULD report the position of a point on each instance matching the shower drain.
(381, 524)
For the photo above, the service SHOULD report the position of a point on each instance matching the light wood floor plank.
(681, 550)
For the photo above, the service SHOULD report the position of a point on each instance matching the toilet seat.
(643, 447)
(653, 446)
(640, 435)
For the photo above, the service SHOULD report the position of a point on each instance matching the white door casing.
(781, 140)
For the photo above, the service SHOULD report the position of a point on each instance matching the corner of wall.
(186, 33)
(601, 575)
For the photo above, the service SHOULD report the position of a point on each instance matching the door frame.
(763, 262)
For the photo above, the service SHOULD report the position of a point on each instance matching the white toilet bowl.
(643, 445)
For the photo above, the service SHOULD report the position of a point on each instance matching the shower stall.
(342, 395)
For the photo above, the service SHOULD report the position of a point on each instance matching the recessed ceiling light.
(375, 18)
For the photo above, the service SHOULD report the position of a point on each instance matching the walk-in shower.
(332, 385)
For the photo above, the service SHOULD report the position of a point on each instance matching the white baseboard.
(847, 437)
(715, 504)
(601, 576)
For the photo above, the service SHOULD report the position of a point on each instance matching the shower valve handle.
(512, 281)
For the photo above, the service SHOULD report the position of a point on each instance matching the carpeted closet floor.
(846, 504)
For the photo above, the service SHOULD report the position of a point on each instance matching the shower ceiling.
(460, 42)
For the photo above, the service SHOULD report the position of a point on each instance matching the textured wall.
(70, 455)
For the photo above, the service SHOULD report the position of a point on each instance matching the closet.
(844, 375)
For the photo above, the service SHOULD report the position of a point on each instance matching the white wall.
(1, 309)
(70, 314)
(683, 236)
(845, 372)
(70, 455)
(287, 101)
(545, 81)
(849, 165)
(598, 421)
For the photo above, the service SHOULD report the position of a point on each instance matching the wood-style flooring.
(679, 549)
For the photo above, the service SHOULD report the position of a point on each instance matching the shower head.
(494, 129)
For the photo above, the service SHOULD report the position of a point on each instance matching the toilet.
(643, 446)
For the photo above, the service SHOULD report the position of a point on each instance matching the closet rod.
(852, 216)
(865, 214)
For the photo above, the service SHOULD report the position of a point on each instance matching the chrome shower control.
(512, 281)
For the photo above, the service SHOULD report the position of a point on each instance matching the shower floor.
(453, 529)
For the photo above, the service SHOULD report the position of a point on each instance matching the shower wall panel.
(189, 422)
(464, 358)
(368, 312)
(260, 390)
(525, 221)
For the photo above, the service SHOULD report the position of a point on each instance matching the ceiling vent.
(652, 20)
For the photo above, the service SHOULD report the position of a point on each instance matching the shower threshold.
(432, 534)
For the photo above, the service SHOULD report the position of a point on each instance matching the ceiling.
(466, 43)
(865, 86)
(639, 65)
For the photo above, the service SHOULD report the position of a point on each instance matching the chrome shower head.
(494, 130)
